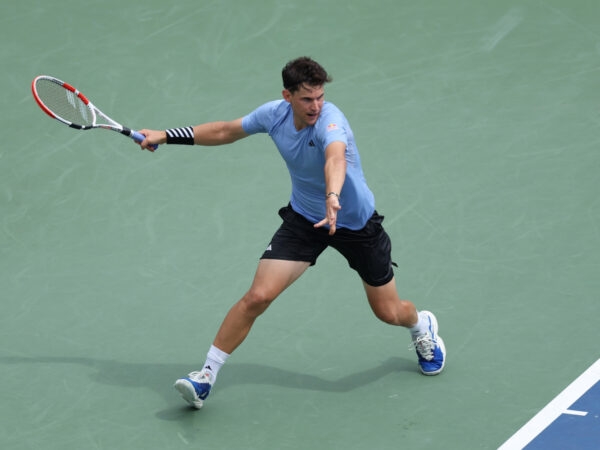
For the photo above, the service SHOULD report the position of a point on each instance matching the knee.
(401, 313)
(256, 301)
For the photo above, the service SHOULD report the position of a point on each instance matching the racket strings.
(64, 103)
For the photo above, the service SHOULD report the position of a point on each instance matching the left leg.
(388, 307)
(423, 327)
(368, 251)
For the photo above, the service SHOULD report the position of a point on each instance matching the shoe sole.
(187, 391)
(440, 343)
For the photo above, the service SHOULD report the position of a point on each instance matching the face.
(307, 103)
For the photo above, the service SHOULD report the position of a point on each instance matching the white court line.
(560, 405)
(576, 413)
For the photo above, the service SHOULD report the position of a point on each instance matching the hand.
(332, 206)
(153, 137)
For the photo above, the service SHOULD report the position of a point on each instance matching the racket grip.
(139, 137)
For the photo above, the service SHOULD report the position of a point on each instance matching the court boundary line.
(558, 406)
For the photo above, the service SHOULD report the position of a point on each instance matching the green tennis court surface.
(478, 127)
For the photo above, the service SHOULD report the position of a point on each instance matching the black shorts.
(368, 251)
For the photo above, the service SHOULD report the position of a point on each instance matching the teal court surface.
(478, 125)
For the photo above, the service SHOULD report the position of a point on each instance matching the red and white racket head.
(63, 102)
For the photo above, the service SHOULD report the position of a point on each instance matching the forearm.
(211, 133)
(335, 174)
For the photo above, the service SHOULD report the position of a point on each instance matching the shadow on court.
(160, 377)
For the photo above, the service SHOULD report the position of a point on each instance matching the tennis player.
(330, 206)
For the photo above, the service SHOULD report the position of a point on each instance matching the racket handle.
(139, 137)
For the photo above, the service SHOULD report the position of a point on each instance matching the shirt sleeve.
(261, 119)
(333, 127)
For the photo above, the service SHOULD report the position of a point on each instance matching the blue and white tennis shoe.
(195, 387)
(430, 347)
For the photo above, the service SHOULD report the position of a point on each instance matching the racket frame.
(93, 109)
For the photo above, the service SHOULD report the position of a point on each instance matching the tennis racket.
(63, 102)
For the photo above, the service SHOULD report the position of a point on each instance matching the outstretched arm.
(212, 133)
(335, 174)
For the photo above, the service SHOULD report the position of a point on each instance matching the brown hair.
(303, 70)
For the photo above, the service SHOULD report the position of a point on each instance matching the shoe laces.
(201, 376)
(424, 345)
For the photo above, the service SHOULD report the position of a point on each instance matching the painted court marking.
(563, 405)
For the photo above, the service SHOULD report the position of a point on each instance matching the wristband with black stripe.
(183, 136)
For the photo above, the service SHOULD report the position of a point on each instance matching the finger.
(146, 145)
(321, 223)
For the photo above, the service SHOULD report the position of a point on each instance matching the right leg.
(272, 277)
(286, 258)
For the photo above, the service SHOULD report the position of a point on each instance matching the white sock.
(420, 327)
(215, 360)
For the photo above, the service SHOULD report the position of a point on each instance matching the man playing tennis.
(330, 205)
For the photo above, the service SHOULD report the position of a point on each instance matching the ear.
(287, 95)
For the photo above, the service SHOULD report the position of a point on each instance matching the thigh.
(368, 251)
(273, 276)
(296, 239)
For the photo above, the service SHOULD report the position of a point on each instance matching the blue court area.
(578, 428)
(570, 421)
(478, 125)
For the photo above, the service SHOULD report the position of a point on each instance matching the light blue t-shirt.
(304, 154)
